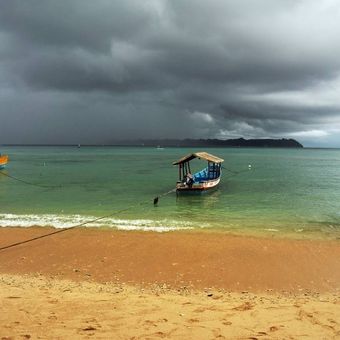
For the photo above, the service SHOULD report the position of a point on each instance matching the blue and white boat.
(201, 181)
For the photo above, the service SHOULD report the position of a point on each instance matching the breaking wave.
(66, 221)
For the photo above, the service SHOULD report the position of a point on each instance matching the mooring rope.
(86, 222)
(237, 172)
(30, 183)
(155, 202)
(59, 186)
(156, 199)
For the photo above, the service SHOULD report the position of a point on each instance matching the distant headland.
(231, 143)
(240, 142)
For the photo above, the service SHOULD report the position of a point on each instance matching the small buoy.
(249, 166)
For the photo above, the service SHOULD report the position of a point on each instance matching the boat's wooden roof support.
(201, 155)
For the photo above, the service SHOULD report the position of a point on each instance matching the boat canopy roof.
(201, 155)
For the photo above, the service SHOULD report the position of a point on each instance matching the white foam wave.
(66, 221)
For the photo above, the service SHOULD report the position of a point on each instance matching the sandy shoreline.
(138, 285)
(196, 260)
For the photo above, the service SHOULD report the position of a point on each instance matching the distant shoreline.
(143, 146)
(208, 143)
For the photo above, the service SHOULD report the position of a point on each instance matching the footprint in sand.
(332, 321)
(217, 334)
(93, 325)
(200, 310)
(160, 334)
(311, 317)
(246, 306)
(52, 317)
(261, 333)
(227, 323)
(53, 301)
(89, 328)
(150, 323)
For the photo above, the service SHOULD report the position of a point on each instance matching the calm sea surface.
(287, 192)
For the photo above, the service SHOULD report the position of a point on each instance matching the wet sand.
(192, 259)
(139, 285)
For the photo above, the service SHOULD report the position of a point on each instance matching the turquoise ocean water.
(287, 192)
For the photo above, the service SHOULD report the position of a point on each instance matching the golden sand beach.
(88, 283)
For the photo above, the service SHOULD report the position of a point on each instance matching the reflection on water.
(198, 201)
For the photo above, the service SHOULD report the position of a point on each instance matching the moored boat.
(3, 161)
(201, 181)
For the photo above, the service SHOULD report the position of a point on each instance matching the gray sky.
(84, 71)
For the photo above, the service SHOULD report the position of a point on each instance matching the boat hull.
(3, 161)
(198, 187)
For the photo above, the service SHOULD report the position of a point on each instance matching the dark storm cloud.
(175, 68)
(76, 23)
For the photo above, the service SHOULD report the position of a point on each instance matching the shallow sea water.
(286, 192)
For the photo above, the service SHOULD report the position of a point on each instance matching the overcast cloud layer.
(86, 71)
